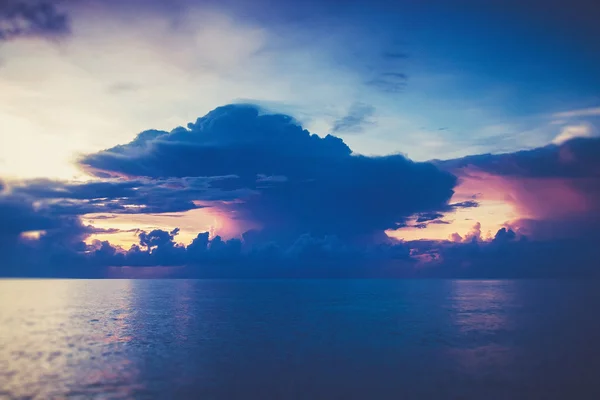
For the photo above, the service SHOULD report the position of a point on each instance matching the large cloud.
(305, 183)
(314, 200)
(318, 206)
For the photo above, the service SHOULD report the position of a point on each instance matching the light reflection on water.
(62, 337)
(481, 311)
(298, 339)
(482, 305)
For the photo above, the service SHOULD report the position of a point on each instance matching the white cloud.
(572, 131)
(583, 112)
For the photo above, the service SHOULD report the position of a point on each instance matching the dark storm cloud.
(314, 200)
(356, 119)
(22, 18)
(125, 196)
(326, 190)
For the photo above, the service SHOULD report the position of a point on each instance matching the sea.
(299, 339)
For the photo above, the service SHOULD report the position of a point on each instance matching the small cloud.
(455, 237)
(356, 119)
(440, 222)
(123, 87)
(426, 217)
(572, 131)
(475, 234)
(583, 112)
(397, 75)
(271, 178)
(102, 217)
(389, 83)
(465, 204)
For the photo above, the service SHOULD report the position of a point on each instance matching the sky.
(315, 138)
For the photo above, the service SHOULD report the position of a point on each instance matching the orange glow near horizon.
(190, 223)
(491, 215)
(504, 201)
(495, 211)
(32, 235)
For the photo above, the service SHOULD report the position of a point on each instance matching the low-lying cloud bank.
(322, 210)
(507, 256)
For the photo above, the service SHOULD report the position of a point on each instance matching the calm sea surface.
(299, 339)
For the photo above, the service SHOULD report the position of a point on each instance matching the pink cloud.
(557, 201)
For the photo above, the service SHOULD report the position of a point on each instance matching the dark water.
(305, 339)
